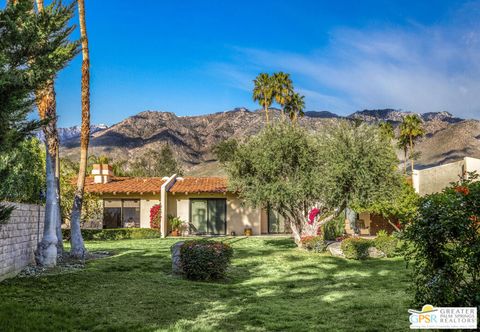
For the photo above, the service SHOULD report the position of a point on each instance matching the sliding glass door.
(198, 217)
(276, 223)
(118, 213)
(208, 216)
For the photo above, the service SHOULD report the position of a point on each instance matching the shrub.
(334, 228)
(387, 244)
(314, 243)
(155, 214)
(204, 259)
(176, 223)
(115, 234)
(356, 248)
(444, 247)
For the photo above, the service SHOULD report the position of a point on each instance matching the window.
(208, 216)
(276, 223)
(118, 213)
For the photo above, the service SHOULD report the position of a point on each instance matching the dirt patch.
(65, 264)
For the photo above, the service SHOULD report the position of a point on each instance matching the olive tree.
(292, 170)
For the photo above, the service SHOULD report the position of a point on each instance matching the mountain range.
(447, 138)
(69, 133)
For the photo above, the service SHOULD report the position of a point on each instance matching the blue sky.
(197, 57)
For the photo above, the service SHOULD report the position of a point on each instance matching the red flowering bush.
(155, 214)
(444, 249)
(462, 190)
(312, 215)
(205, 260)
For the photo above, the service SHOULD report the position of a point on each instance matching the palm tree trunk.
(411, 155)
(46, 254)
(78, 247)
(405, 160)
(59, 213)
(266, 111)
(39, 5)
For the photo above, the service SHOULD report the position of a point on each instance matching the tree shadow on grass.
(283, 243)
(268, 288)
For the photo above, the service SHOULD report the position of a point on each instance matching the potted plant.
(177, 225)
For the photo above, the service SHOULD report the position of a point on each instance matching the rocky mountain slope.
(192, 137)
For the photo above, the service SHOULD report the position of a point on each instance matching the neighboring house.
(435, 179)
(368, 224)
(425, 181)
(203, 203)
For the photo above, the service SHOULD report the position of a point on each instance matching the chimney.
(102, 173)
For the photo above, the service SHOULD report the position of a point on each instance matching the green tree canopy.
(33, 48)
(292, 170)
(26, 172)
(156, 163)
(295, 106)
(444, 250)
(91, 207)
(399, 208)
(263, 91)
(225, 150)
(411, 130)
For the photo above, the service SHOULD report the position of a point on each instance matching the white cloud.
(415, 68)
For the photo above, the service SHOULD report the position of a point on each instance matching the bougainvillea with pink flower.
(155, 214)
(312, 215)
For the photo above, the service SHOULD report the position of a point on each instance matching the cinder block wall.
(18, 238)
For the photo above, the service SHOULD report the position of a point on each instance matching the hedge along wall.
(18, 238)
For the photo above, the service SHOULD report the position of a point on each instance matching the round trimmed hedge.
(205, 259)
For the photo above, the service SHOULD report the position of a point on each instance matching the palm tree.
(411, 129)
(282, 89)
(78, 247)
(263, 91)
(295, 106)
(402, 143)
(48, 248)
(386, 130)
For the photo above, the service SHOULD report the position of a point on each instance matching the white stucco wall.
(472, 165)
(146, 204)
(435, 179)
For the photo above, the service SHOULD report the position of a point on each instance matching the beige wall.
(18, 238)
(264, 221)
(363, 220)
(435, 179)
(239, 217)
(146, 203)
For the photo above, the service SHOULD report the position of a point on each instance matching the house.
(435, 179)
(203, 203)
(425, 181)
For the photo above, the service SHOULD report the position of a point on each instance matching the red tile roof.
(199, 185)
(132, 185)
(138, 185)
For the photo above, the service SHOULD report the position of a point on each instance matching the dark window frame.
(190, 200)
(121, 209)
(269, 210)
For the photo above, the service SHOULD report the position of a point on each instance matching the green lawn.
(272, 286)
